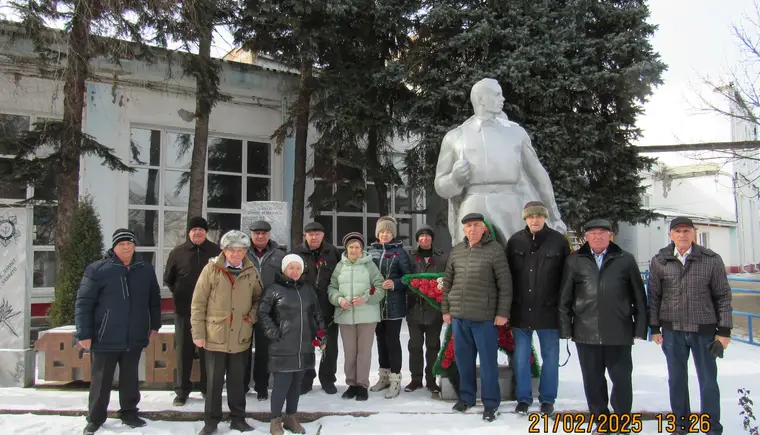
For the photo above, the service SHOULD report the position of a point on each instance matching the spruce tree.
(296, 33)
(362, 102)
(85, 245)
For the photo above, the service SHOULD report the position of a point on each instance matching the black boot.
(240, 424)
(361, 394)
(208, 429)
(179, 400)
(522, 408)
(547, 408)
(133, 421)
(329, 389)
(461, 406)
(90, 429)
(489, 414)
(350, 393)
(412, 386)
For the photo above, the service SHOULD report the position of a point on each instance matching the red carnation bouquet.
(319, 342)
(426, 286)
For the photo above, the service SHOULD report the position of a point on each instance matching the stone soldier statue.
(487, 165)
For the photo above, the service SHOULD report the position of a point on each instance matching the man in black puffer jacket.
(118, 310)
(320, 258)
(603, 307)
(183, 268)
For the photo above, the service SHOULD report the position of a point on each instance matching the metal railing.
(750, 338)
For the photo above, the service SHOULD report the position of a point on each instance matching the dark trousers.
(103, 365)
(185, 352)
(388, 334)
(328, 365)
(616, 360)
(677, 346)
(258, 363)
(287, 388)
(261, 361)
(473, 339)
(430, 337)
(219, 364)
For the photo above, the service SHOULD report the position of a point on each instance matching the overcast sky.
(695, 40)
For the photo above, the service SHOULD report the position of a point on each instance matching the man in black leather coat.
(603, 308)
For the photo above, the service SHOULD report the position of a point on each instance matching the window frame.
(38, 294)
(364, 214)
(161, 250)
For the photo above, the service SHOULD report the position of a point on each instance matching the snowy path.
(740, 369)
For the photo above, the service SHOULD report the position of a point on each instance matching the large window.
(350, 215)
(43, 216)
(11, 126)
(159, 191)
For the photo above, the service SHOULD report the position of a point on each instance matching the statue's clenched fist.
(461, 172)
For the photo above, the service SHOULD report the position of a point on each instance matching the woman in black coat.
(290, 316)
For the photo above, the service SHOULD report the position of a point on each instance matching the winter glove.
(716, 349)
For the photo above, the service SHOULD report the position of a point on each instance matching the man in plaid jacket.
(690, 311)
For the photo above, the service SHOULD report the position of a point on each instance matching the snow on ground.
(384, 424)
(739, 369)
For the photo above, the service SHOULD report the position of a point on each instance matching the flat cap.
(681, 221)
(313, 226)
(597, 223)
(472, 217)
(261, 226)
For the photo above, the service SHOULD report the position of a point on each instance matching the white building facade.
(144, 113)
(721, 196)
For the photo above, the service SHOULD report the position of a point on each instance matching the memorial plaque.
(16, 363)
(277, 213)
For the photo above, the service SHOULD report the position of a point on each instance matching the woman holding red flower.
(291, 318)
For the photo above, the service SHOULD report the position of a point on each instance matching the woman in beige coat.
(222, 315)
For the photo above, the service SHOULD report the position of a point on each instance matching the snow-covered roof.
(697, 218)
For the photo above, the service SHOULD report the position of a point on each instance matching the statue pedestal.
(505, 385)
(16, 357)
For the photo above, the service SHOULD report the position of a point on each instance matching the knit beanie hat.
(197, 222)
(386, 223)
(424, 229)
(235, 239)
(535, 208)
(290, 258)
(123, 235)
(353, 236)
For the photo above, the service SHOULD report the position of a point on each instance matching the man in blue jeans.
(477, 295)
(536, 257)
(690, 311)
